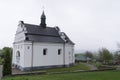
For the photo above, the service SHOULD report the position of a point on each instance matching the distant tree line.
(103, 55)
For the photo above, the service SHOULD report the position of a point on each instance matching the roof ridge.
(37, 25)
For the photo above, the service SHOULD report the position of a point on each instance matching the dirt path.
(92, 66)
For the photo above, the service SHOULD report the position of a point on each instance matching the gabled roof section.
(68, 40)
(49, 34)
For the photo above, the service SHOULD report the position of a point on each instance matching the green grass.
(103, 75)
(78, 66)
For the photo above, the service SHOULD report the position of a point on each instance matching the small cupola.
(43, 20)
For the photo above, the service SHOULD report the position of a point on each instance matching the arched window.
(18, 56)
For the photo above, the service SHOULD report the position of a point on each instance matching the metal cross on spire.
(43, 8)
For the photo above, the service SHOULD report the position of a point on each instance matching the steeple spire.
(43, 20)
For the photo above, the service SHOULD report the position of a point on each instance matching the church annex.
(40, 47)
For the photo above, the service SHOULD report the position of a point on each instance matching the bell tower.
(43, 20)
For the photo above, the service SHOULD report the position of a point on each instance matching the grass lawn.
(103, 75)
(78, 66)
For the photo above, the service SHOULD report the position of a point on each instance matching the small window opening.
(59, 51)
(44, 51)
(27, 38)
(28, 47)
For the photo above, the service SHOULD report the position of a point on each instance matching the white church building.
(40, 47)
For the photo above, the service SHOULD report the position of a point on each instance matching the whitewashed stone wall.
(31, 53)
(51, 58)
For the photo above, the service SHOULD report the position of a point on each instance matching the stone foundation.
(41, 67)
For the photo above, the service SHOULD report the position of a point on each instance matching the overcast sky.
(90, 24)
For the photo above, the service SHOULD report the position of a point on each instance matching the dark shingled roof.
(35, 29)
(48, 34)
(40, 38)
